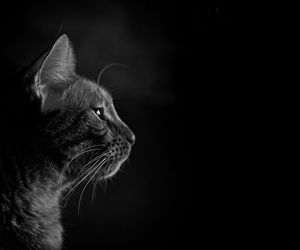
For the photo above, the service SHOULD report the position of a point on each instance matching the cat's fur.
(52, 122)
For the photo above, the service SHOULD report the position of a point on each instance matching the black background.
(162, 96)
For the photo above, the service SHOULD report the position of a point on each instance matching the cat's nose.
(129, 135)
(131, 139)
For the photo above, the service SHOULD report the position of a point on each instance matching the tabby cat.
(57, 130)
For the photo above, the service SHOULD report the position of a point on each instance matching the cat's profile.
(57, 130)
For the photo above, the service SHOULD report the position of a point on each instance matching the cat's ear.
(54, 68)
(58, 66)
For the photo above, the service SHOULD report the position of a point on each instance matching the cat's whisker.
(105, 180)
(84, 175)
(92, 156)
(98, 168)
(80, 174)
(69, 194)
(97, 159)
(94, 188)
(108, 66)
(84, 167)
(105, 185)
(93, 160)
(86, 150)
(90, 170)
(94, 191)
(80, 153)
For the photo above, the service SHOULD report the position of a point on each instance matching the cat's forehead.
(87, 93)
(103, 95)
(100, 96)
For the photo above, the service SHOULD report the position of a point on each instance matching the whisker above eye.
(108, 66)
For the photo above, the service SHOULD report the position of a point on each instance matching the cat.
(58, 129)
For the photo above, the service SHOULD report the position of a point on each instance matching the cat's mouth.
(100, 164)
(117, 154)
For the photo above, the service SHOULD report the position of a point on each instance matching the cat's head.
(81, 120)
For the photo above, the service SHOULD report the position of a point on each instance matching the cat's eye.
(99, 112)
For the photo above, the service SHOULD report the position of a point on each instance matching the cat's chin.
(114, 168)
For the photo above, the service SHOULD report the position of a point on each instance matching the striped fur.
(51, 133)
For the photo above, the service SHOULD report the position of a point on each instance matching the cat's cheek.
(108, 137)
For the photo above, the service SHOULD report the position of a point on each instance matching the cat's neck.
(33, 202)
